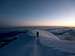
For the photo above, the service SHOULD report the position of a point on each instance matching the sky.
(37, 13)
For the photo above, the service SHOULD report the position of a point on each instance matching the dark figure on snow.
(37, 34)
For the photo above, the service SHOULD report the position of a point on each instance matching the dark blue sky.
(37, 12)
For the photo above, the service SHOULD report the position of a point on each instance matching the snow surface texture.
(25, 45)
(50, 40)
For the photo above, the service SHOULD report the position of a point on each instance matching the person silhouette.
(37, 34)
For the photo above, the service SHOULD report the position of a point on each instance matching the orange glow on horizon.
(69, 23)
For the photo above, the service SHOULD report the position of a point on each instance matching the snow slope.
(50, 40)
(25, 44)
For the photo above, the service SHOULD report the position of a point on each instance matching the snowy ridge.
(43, 33)
(26, 44)
(49, 39)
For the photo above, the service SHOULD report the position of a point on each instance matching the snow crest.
(51, 40)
